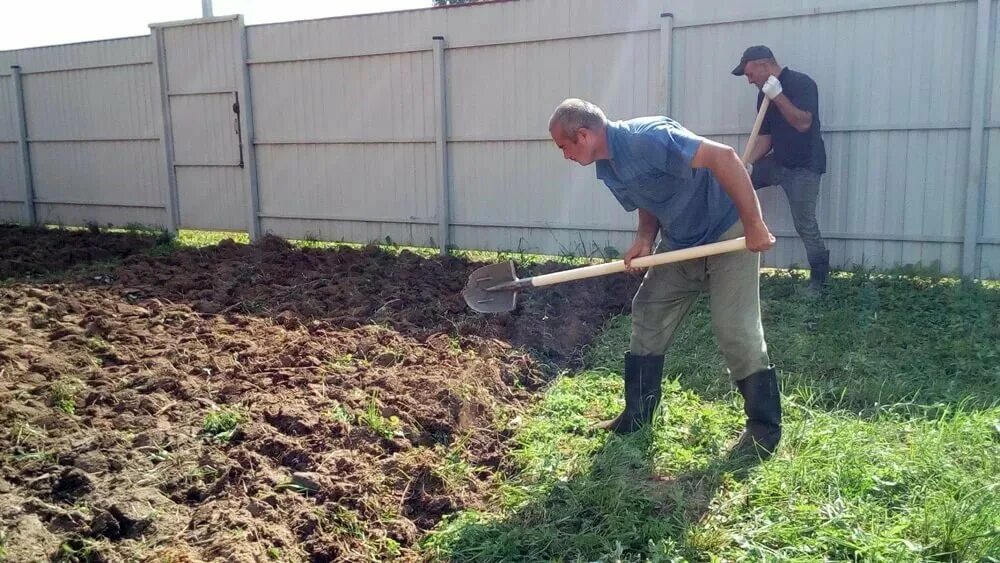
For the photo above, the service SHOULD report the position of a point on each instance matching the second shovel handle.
(585, 272)
(756, 128)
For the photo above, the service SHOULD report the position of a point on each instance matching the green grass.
(385, 427)
(62, 394)
(890, 453)
(221, 425)
(77, 549)
(338, 413)
(200, 239)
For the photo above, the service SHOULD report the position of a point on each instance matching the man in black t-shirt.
(791, 127)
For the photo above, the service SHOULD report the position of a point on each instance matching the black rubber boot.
(762, 405)
(819, 272)
(643, 386)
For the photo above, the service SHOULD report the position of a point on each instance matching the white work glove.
(772, 87)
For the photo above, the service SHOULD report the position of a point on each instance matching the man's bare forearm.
(733, 178)
(648, 228)
(729, 171)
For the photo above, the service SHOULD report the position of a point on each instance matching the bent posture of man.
(791, 127)
(691, 191)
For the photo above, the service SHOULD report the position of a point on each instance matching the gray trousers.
(732, 281)
(801, 185)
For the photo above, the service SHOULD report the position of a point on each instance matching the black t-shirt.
(791, 148)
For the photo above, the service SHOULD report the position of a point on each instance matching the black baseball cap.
(752, 54)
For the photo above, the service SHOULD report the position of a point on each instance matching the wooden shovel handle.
(756, 128)
(702, 251)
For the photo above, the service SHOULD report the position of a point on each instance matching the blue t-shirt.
(650, 168)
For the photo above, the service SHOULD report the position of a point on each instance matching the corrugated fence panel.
(8, 119)
(510, 90)
(10, 189)
(200, 57)
(378, 182)
(109, 52)
(990, 257)
(462, 26)
(115, 103)
(92, 122)
(700, 13)
(505, 169)
(342, 37)
(11, 212)
(204, 130)
(993, 86)
(991, 208)
(352, 99)
(72, 214)
(212, 197)
(527, 21)
(109, 173)
(95, 141)
(348, 138)
(501, 183)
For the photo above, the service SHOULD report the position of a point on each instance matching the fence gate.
(207, 126)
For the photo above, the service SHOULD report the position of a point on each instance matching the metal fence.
(429, 126)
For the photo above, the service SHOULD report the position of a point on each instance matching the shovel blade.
(477, 292)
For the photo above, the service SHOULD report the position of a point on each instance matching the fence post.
(247, 138)
(666, 50)
(27, 180)
(167, 130)
(441, 144)
(974, 187)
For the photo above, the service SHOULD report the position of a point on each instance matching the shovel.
(493, 289)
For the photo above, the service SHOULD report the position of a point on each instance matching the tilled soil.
(261, 403)
(39, 251)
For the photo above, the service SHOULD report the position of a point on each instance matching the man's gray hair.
(574, 114)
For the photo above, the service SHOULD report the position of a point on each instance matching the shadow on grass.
(607, 511)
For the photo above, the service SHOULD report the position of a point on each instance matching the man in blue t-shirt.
(691, 191)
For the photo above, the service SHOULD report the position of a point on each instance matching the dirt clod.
(73, 484)
(29, 540)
